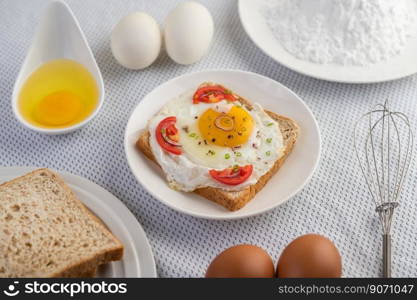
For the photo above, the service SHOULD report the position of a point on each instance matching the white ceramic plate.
(137, 260)
(294, 174)
(257, 29)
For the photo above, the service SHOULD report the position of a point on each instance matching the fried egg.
(216, 136)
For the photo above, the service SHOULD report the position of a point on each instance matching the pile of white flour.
(345, 32)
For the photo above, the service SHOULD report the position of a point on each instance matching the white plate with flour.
(137, 259)
(254, 20)
(290, 179)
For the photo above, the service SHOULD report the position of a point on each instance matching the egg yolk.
(229, 129)
(58, 108)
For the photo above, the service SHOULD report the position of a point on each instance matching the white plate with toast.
(273, 96)
(137, 259)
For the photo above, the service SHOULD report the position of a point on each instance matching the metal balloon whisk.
(383, 142)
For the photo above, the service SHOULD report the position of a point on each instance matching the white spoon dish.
(58, 36)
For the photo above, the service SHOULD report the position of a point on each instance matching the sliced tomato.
(167, 135)
(230, 97)
(212, 94)
(172, 130)
(232, 176)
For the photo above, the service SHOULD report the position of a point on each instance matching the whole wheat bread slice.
(234, 200)
(45, 231)
(86, 273)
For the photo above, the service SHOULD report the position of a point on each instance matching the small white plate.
(253, 22)
(137, 260)
(293, 175)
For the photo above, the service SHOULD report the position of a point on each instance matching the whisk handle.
(386, 256)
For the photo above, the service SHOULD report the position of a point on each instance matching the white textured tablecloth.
(335, 202)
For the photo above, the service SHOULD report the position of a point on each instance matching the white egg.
(188, 32)
(136, 41)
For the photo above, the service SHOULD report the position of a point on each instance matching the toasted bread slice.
(91, 273)
(234, 200)
(47, 232)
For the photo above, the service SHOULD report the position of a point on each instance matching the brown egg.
(241, 261)
(310, 255)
